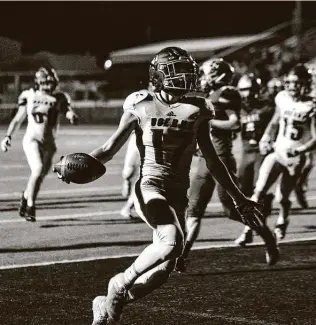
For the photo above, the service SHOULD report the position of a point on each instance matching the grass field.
(51, 270)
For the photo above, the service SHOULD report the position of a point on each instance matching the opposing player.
(215, 84)
(255, 116)
(130, 175)
(41, 106)
(167, 125)
(296, 123)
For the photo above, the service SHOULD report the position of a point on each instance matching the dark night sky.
(100, 27)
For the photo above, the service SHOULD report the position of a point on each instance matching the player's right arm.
(128, 123)
(269, 134)
(16, 121)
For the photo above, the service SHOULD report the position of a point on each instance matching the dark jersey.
(223, 99)
(253, 124)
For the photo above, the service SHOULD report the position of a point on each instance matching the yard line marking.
(209, 315)
(102, 189)
(66, 216)
(106, 257)
(114, 171)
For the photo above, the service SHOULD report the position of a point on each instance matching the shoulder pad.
(22, 100)
(280, 96)
(63, 97)
(205, 105)
(134, 98)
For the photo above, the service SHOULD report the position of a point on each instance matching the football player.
(167, 125)
(130, 174)
(296, 123)
(255, 116)
(215, 83)
(41, 106)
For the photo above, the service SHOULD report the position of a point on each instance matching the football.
(79, 168)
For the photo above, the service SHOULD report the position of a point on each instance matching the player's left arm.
(232, 123)
(215, 165)
(70, 114)
(249, 210)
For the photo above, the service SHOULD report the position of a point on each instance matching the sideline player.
(215, 83)
(296, 121)
(256, 114)
(41, 106)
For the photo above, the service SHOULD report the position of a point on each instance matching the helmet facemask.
(217, 73)
(249, 89)
(176, 76)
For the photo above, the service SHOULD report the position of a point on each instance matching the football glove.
(72, 117)
(5, 143)
(250, 213)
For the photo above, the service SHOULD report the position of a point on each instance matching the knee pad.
(170, 241)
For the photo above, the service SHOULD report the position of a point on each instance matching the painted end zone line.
(107, 257)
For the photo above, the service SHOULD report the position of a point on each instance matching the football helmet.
(215, 73)
(249, 87)
(274, 86)
(46, 79)
(174, 71)
(298, 81)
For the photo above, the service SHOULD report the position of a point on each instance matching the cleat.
(300, 197)
(272, 252)
(30, 213)
(100, 316)
(116, 298)
(280, 230)
(126, 213)
(23, 204)
(245, 238)
(181, 264)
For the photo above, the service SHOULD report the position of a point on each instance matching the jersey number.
(38, 117)
(294, 130)
(158, 138)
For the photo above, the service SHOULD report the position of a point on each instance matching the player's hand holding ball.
(79, 168)
(5, 143)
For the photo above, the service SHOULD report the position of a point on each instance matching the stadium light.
(107, 64)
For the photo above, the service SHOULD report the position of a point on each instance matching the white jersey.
(166, 136)
(296, 118)
(43, 113)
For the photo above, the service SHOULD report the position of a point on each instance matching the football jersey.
(253, 123)
(225, 98)
(294, 125)
(166, 136)
(43, 113)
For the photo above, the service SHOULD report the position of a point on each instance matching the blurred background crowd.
(98, 84)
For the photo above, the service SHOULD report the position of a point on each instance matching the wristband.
(8, 136)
